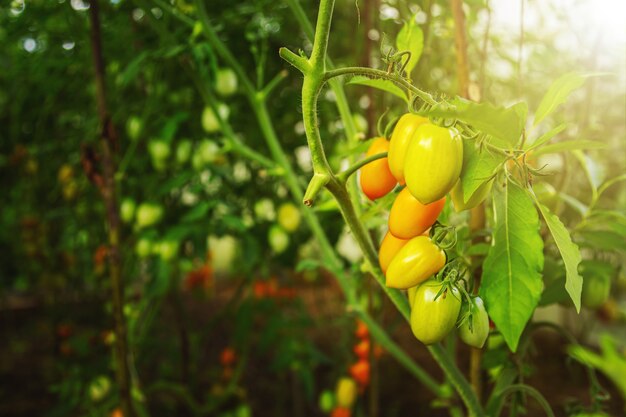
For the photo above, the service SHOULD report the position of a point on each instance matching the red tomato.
(360, 372)
(228, 356)
(341, 412)
(361, 330)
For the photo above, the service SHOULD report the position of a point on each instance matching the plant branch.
(343, 176)
(108, 191)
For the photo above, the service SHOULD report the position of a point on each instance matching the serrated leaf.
(557, 94)
(511, 281)
(479, 166)
(546, 137)
(569, 145)
(504, 124)
(411, 38)
(384, 85)
(569, 252)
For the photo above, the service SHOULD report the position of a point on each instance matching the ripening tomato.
(417, 261)
(433, 162)
(411, 294)
(389, 247)
(341, 412)
(400, 139)
(479, 195)
(361, 330)
(362, 349)
(409, 218)
(289, 217)
(345, 393)
(475, 329)
(360, 371)
(376, 178)
(432, 320)
(228, 356)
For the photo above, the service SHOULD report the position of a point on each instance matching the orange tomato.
(228, 356)
(376, 178)
(341, 412)
(362, 349)
(361, 330)
(388, 249)
(360, 372)
(410, 218)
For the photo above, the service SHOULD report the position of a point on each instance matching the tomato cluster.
(428, 159)
(340, 403)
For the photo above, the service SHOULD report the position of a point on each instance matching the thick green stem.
(312, 85)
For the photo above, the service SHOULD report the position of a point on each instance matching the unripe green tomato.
(478, 197)
(475, 330)
(134, 126)
(360, 122)
(210, 122)
(346, 391)
(278, 239)
(326, 401)
(127, 210)
(208, 150)
(148, 214)
(223, 251)
(168, 249)
(159, 151)
(197, 162)
(225, 82)
(289, 217)
(433, 162)
(264, 209)
(243, 411)
(432, 320)
(99, 388)
(143, 247)
(183, 151)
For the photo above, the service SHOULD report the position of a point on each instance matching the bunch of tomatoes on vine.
(427, 160)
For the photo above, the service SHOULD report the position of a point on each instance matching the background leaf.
(384, 85)
(511, 282)
(557, 94)
(505, 124)
(411, 38)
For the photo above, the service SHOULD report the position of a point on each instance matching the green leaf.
(558, 93)
(504, 124)
(569, 145)
(546, 137)
(602, 240)
(199, 211)
(307, 265)
(511, 282)
(384, 85)
(411, 38)
(479, 165)
(569, 252)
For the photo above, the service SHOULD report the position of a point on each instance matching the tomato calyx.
(443, 236)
